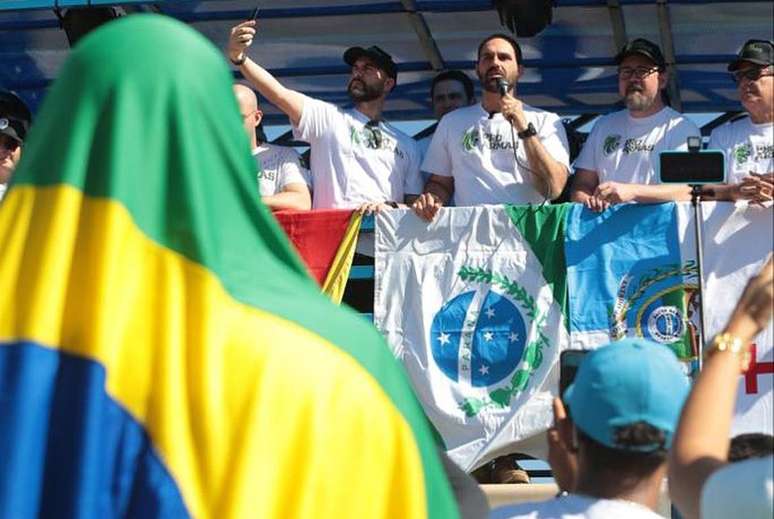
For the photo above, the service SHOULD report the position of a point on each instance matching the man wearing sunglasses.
(618, 161)
(357, 160)
(14, 123)
(748, 143)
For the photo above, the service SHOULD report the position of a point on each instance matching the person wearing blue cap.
(623, 409)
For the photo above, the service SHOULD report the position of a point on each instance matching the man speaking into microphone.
(498, 151)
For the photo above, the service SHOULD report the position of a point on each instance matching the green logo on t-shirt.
(611, 143)
(742, 152)
(470, 140)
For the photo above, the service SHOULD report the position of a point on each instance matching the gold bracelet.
(731, 344)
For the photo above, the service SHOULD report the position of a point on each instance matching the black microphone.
(502, 87)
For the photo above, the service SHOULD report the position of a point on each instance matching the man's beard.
(637, 101)
(364, 92)
(492, 84)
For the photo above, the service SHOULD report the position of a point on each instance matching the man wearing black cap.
(748, 143)
(618, 161)
(357, 159)
(14, 123)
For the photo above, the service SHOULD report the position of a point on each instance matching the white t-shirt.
(744, 489)
(280, 166)
(623, 148)
(352, 163)
(575, 506)
(747, 147)
(477, 150)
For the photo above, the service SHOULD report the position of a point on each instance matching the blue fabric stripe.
(600, 249)
(67, 449)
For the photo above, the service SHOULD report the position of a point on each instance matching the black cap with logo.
(760, 52)
(642, 47)
(15, 117)
(382, 59)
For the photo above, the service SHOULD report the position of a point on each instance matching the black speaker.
(79, 21)
(526, 18)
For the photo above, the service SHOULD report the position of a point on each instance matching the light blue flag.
(626, 278)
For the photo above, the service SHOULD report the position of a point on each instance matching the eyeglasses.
(753, 73)
(375, 135)
(8, 143)
(639, 72)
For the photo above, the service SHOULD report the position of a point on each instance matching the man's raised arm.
(289, 101)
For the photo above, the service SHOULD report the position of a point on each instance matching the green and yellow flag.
(163, 353)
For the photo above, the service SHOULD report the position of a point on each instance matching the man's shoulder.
(285, 152)
(574, 506)
(741, 124)
(540, 113)
(462, 115)
(617, 117)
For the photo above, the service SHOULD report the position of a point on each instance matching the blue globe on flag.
(478, 338)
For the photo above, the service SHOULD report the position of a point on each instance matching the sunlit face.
(497, 61)
(754, 93)
(640, 83)
(10, 153)
(448, 95)
(367, 81)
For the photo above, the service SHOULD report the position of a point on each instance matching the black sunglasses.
(753, 74)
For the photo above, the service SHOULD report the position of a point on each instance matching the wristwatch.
(529, 131)
(238, 62)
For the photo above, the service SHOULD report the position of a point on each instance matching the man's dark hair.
(751, 445)
(629, 459)
(453, 75)
(500, 36)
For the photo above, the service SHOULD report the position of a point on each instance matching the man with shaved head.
(282, 180)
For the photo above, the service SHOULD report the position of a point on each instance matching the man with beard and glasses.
(498, 151)
(618, 162)
(748, 143)
(358, 159)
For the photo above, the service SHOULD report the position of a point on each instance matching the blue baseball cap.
(625, 382)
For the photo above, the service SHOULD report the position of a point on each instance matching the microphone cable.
(502, 88)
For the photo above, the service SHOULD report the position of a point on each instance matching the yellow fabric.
(240, 424)
(336, 280)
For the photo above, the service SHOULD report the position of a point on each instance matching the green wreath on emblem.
(533, 352)
(618, 326)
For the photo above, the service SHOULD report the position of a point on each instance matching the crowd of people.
(628, 420)
(501, 150)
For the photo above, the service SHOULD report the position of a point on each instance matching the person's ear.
(258, 116)
(389, 84)
(663, 79)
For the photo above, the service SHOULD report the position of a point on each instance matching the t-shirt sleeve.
(413, 184)
(437, 160)
(554, 139)
(316, 119)
(291, 170)
(586, 159)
